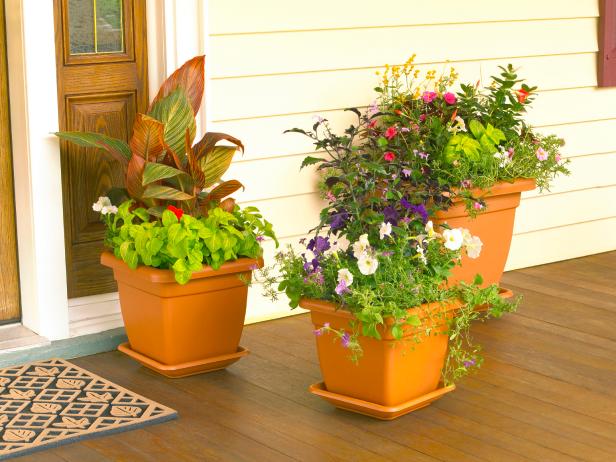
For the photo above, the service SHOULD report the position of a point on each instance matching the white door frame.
(174, 35)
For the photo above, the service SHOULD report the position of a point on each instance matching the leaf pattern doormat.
(48, 403)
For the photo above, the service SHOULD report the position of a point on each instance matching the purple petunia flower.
(342, 288)
(469, 363)
(406, 172)
(405, 203)
(338, 219)
(317, 332)
(346, 339)
(318, 244)
(391, 215)
(421, 211)
(260, 238)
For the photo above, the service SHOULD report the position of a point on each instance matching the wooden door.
(102, 82)
(9, 273)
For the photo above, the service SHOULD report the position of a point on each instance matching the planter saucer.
(185, 369)
(377, 410)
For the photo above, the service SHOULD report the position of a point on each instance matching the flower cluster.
(104, 206)
(465, 140)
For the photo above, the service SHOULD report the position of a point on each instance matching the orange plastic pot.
(494, 227)
(393, 376)
(185, 329)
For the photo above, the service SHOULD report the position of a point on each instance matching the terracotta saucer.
(377, 410)
(185, 369)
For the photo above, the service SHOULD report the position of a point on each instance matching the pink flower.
(406, 172)
(511, 152)
(557, 158)
(422, 118)
(429, 96)
(389, 156)
(466, 183)
(541, 154)
(450, 98)
(372, 123)
(405, 129)
(477, 206)
(391, 132)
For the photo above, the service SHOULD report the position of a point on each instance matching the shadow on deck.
(547, 391)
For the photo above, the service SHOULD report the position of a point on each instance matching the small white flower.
(109, 209)
(430, 229)
(367, 264)
(101, 203)
(453, 238)
(345, 275)
(457, 126)
(422, 255)
(473, 247)
(361, 246)
(385, 230)
(503, 157)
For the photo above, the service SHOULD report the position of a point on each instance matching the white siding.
(273, 64)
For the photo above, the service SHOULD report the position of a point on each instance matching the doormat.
(45, 404)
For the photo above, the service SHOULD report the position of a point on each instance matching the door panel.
(9, 279)
(102, 83)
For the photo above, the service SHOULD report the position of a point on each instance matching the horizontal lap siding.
(273, 65)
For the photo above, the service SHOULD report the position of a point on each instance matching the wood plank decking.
(547, 392)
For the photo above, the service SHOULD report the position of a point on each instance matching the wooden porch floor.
(547, 392)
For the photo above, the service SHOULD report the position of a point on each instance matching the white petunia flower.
(109, 209)
(309, 255)
(361, 246)
(367, 264)
(473, 247)
(339, 244)
(453, 238)
(345, 275)
(430, 229)
(385, 230)
(101, 203)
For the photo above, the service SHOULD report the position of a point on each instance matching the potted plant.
(181, 251)
(391, 335)
(474, 144)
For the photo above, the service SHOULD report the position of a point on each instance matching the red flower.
(391, 132)
(372, 123)
(389, 156)
(522, 95)
(450, 98)
(422, 118)
(178, 212)
(398, 111)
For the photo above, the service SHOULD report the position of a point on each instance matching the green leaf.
(310, 160)
(176, 113)
(156, 191)
(118, 149)
(216, 163)
(476, 128)
(413, 320)
(382, 142)
(156, 172)
(169, 218)
(142, 213)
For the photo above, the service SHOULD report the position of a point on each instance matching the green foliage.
(175, 171)
(184, 245)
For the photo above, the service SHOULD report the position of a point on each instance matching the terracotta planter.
(392, 378)
(494, 227)
(180, 330)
